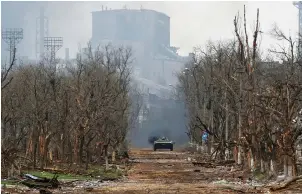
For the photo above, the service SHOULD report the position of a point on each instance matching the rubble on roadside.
(251, 183)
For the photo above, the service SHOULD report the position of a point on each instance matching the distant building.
(145, 26)
(148, 34)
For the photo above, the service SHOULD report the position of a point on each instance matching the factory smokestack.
(42, 31)
(66, 55)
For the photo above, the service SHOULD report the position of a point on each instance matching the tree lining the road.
(72, 114)
(244, 101)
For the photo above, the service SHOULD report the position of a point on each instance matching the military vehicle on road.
(163, 143)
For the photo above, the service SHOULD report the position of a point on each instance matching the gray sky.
(192, 23)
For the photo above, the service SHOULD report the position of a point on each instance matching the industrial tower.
(298, 4)
(41, 32)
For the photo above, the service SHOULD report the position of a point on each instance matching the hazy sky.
(192, 23)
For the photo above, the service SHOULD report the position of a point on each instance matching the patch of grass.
(9, 182)
(258, 175)
(100, 172)
(61, 176)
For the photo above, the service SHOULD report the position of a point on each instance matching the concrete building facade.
(147, 32)
(145, 26)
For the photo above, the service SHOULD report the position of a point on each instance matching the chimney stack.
(66, 55)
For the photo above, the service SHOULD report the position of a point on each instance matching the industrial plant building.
(147, 32)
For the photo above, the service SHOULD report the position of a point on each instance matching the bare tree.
(245, 102)
(58, 113)
(6, 70)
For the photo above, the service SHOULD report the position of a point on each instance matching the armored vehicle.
(163, 143)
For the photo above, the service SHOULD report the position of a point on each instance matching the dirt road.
(171, 172)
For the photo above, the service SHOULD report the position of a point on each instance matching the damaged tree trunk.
(276, 188)
(294, 165)
(106, 157)
(87, 159)
(290, 167)
(82, 139)
(69, 149)
(239, 160)
(113, 156)
(226, 127)
(272, 167)
(262, 166)
(285, 166)
(35, 152)
(76, 148)
(252, 148)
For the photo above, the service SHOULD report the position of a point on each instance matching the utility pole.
(53, 44)
(12, 36)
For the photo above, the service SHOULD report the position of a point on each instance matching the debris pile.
(40, 182)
